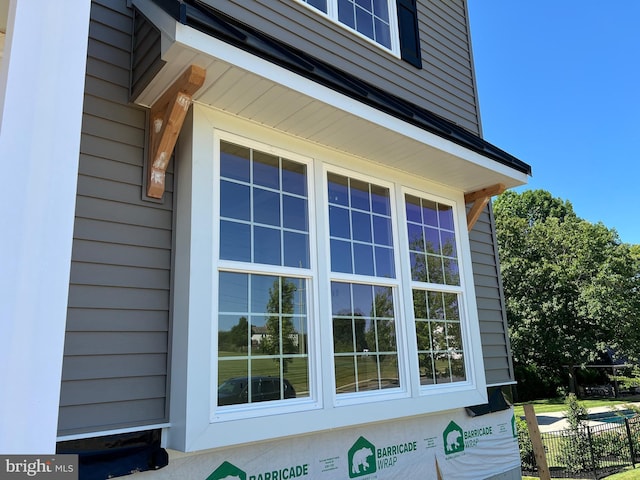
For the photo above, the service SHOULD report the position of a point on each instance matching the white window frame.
(196, 423)
(394, 31)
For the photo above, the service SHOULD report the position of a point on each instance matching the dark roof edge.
(202, 17)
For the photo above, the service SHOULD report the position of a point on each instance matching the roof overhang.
(248, 85)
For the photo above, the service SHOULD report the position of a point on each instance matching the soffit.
(243, 84)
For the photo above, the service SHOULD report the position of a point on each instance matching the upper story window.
(372, 18)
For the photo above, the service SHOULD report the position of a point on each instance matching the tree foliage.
(570, 285)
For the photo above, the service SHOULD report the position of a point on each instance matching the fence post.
(631, 451)
(593, 457)
(536, 442)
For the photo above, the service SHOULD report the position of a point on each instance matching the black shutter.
(409, 36)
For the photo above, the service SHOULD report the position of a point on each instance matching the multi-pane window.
(262, 318)
(435, 274)
(269, 336)
(363, 313)
(371, 18)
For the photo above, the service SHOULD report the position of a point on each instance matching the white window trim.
(194, 314)
(332, 16)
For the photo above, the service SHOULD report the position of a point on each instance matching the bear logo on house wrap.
(453, 439)
(227, 471)
(362, 458)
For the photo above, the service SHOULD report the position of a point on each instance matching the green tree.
(569, 284)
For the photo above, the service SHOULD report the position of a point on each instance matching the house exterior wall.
(116, 348)
(115, 356)
(445, 84)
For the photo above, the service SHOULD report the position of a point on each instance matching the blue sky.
(559, 88)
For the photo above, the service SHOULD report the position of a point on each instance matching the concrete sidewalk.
(553, 421)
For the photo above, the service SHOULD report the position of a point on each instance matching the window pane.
(381, 9)
(343, 335)
(266, 170)
(445, 216)
(296, 250)
(319, 4)
(233, 292)
(341, 256)
(382, 32)
(234, 162)
(429, 215)
(264, 293)
(418, 267)
(294, 177)
(345, 371)
(234, 201)
(361, 223)
(340, 299)
(346, 14)
(338, 189)
(266, 207)
(380, 200)
(294, 213)
(263, 353)
(360, 195)
(427, 374)
(363, 259)
(364, 337)
(339, 224)
(235, 241)
(384, 263)
(413, 208)
(364, 22)
(233, 335)
(382, 230)
(266, 248)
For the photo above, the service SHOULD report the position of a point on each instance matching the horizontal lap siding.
(115, 364)
(493, 330)
(444, 85)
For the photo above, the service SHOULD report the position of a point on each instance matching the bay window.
(314, 290)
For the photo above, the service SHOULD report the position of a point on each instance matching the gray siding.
(115, 363)
(445, 84)
(490, 300)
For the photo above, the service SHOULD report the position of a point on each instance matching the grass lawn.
(558, 405)
(629, 474)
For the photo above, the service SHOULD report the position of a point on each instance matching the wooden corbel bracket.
(479, 200)
(165, 122)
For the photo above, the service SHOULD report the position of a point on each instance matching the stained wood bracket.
(479, 200)
(165, 122)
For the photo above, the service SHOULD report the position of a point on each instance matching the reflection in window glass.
(432, 242)
(439, 337)
(360, 227)
(262, 338)
(364, 337)
(263, 208)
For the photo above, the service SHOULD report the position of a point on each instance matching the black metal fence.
(586, 452)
